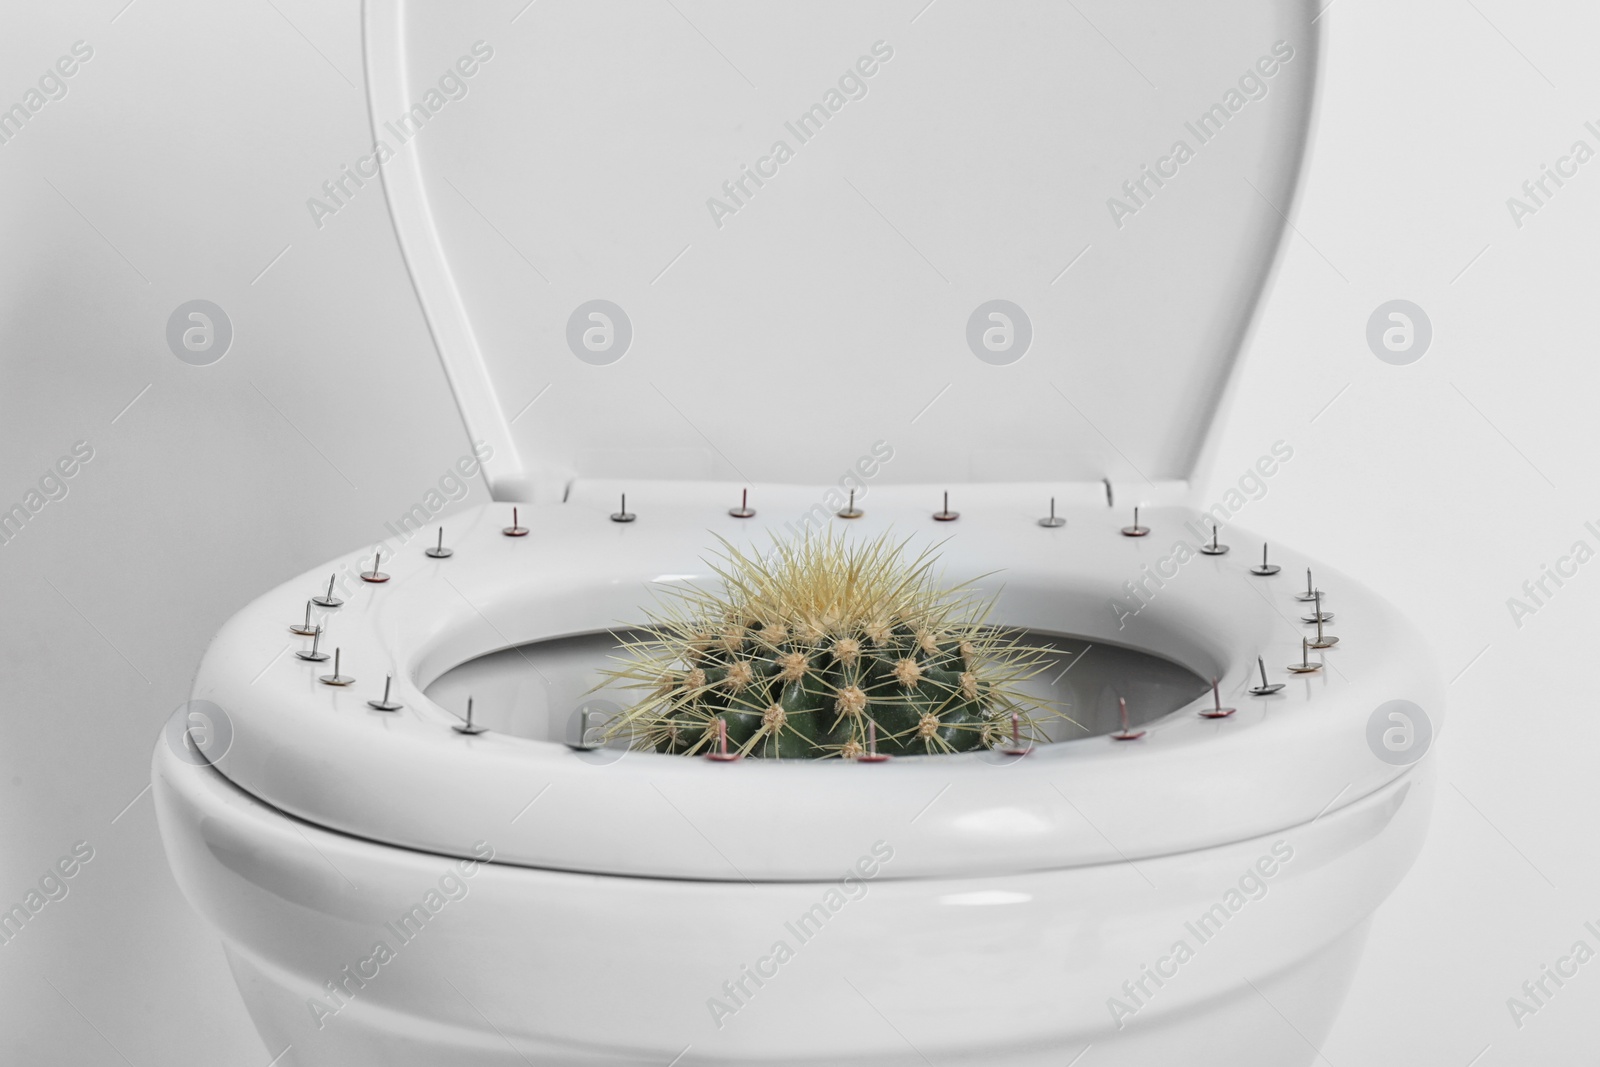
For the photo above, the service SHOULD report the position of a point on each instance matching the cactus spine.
(810, 643)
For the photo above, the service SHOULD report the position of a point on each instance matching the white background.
(178, 166)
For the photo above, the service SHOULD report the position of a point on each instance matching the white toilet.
(896, 309)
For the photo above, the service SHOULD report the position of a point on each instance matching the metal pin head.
(1052, 521)
(1125, 734)
(851, 511)
(623, 514)
(375, 576)
(1214, 548)
(468, 727)
(1216, 711)
(328, 600)
(335, 678)
(1265, 569)
(304, 629)
(516, 529)
(946, 515)
(1311, 590)
(744, 510)
(385, 704)
(1266, 688)
(1135, 530)
(872, 755)
(721, 754)
(1305, 666)
(1317, 615)
(438, 551)
(313, 656)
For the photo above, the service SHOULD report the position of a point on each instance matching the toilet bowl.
(399, 877)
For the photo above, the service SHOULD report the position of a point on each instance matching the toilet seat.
(320, 754)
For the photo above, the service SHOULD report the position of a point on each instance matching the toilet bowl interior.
(545, 690)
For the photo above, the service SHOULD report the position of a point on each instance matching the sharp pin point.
(328, 600)
(314, 656)
(335, 678)
(438, 551)
(385, 704)
(946, 515)
(467, 727)
(1017, 748)
(1125, 734)
(851, 511)
(1317, 614)
(623, 514)
(516, 529)
(1305, 666)
(1052, 521)
(1266, 688)
(1264, 569)
(304, 629)
(375, 575)
(1311, 590)
(722, 755)
(1216, 711)
(744, 510)
(1135, 530)
(872, 755)
(1214, 549)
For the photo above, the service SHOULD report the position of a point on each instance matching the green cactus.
(820, 646)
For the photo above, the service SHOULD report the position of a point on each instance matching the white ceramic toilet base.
(535, 966)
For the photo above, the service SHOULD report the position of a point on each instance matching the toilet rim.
(317, 752)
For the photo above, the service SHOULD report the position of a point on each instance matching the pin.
(722, 755)
(1017, 748)
(375, 576)
(438, 551)
(328, 600)
(1265, 569)
(1052, 521)
(744, 510)
(385, 704)
(304, 629)
(1305, 666)
(1216, 711)
(872, 755)
(1135, 530)
(516, 529)
(1214, 549)
(583, 744)
(851, 511)
(335, 678)
(623, 515)
(1323, 641)
(1318, 615)
(1266, 688)
(1311, 592)
(1107, 483)
(1125, 734)
(467, 727)
(314, 656)
(946, 515)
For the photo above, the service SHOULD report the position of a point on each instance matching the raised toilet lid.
(615, 296)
